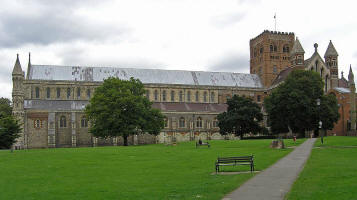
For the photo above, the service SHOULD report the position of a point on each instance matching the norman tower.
(269, 54)
(18, 99)
(351, 84)
(297, 55)
(331, 60)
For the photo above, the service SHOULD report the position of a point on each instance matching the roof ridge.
(142, 69)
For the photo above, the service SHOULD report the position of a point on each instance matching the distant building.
(50, 99)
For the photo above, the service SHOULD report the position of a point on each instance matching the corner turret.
(18, 99)
(297, 55)
(351, 84)
(331, 60)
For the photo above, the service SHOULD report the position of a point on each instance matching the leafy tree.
(293, 104)
(9, 126)
(5, 108)
(119, 108)
(242, 116)
(329, 111)
(9, 131)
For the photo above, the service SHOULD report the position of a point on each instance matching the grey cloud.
(50, 24)
(232, 63)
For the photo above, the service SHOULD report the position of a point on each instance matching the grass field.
(330, 173)
(134, 172)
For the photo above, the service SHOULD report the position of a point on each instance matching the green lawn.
(330, 172)
(134, 172)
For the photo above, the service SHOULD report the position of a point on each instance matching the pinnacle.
(331, 51)
(297, 48)
(17, 67)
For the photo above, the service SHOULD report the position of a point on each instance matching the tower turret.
(331, 60)
(351, 84)
(297, 55)
(18, 99)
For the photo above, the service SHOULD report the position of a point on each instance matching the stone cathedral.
(49, 100)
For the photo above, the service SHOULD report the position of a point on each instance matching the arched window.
(271, 48)
(275, 48)
(188, 96)
(326, 79)
(182, 123)
(258, 98)
(88, 93)
(199, 122)
(78, 93)
(215, 123)
(212, 97)
(181, 96)
(275, 69)
(63, 122)
(68, 93)
(37, 123)
(286, 48)
(166, 122)
(84, 122)
(48, 93)
(164, 95)
(37, 92)
(148, 94)
(196, 96)
(205, 96)
(156, 95)
(172, 96)
(58, 92)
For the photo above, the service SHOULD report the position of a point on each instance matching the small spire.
(330, 51)
(17, 67)
(350, 75)
(297, 48)
(29, 59)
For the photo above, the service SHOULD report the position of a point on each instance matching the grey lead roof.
(146, 76)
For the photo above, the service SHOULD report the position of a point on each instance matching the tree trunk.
(125, 136)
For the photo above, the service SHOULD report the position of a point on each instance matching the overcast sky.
(208, 35)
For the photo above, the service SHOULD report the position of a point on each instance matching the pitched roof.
(330, 51)
(342, 90)
(282, 76)
(297, 48)
(146, 76)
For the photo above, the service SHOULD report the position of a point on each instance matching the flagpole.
(275, 20)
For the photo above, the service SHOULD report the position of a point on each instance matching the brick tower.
(331, 60)
(269, 54)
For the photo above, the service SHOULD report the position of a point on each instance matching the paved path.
(274, 182)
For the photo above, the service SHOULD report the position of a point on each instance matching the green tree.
(9, 131)
(329, 114)
(242, 116)
(9, 126)
(5, 108)
(119, 108)
(293, 104)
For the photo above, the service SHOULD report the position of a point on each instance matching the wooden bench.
(202, 144)
(233, 161)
